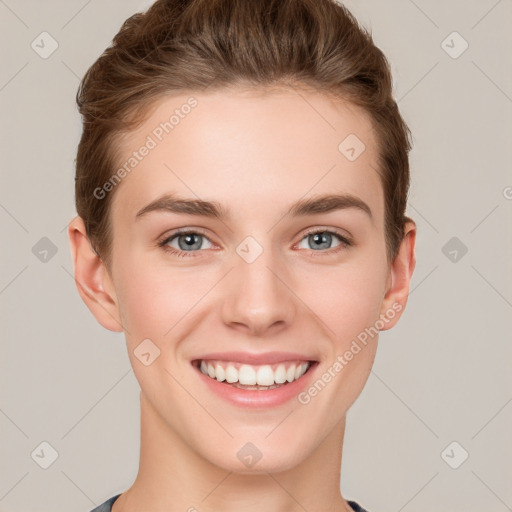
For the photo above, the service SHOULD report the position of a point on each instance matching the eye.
(184, 242)
(187, 242)
(323, 239)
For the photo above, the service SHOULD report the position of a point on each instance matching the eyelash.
(344, 242)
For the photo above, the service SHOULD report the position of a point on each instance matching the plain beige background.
(441, 387)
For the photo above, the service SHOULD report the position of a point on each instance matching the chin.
(257, 458)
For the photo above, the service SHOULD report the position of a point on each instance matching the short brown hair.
(189, 45)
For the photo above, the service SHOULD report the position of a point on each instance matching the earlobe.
(92, 279)
(399, 279)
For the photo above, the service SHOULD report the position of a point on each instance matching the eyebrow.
(311, 206)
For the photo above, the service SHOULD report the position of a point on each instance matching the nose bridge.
(257, 297)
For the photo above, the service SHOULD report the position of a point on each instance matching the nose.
(257, 298)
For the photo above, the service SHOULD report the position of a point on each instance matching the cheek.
(347, 298)
(152, 300)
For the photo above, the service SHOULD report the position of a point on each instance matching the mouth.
(252, 377)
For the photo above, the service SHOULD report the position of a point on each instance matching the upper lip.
(255, 359)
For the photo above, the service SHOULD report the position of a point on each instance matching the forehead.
(249, 149)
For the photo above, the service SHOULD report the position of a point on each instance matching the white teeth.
(231, 374)
(265, 376)
(248, 375)
(220, 374)
(280, 374)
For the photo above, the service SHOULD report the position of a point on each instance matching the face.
(282, 268)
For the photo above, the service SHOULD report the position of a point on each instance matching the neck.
(174, 477)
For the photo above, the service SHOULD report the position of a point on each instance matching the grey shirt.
(107, 506)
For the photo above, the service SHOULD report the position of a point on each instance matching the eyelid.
(344, 236)
(345, 239)
(182, 231)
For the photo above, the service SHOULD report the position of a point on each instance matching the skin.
(256, 153)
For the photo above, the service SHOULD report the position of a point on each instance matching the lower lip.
(254, 398)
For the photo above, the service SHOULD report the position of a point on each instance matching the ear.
(92, 278)
(399, 278)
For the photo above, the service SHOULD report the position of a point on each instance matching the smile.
(252, 376)
(255, 385)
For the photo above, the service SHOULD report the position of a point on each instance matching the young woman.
(241, 186)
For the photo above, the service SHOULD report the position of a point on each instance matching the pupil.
(190, 241)
(321, 238)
